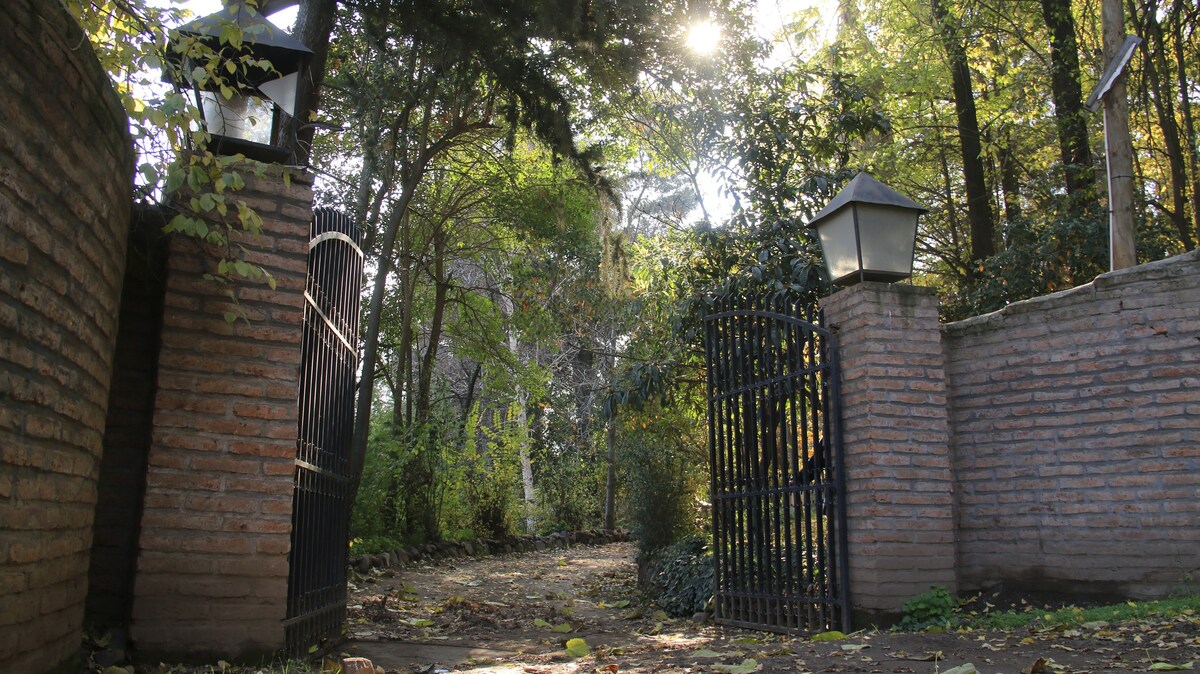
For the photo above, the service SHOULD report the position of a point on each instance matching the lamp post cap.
(866, 189)
(266, 34)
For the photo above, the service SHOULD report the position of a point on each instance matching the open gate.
(321, 501)
(779, 520)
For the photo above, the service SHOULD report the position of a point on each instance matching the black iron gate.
(321, 501)
(779, 520)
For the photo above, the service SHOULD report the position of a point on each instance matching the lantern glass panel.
(839, 243)
(243, 117)
(887, 235)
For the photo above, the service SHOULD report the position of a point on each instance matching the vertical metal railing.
(321, 500)
(779, 545)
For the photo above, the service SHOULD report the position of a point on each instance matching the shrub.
(679, 577)
(935, 608)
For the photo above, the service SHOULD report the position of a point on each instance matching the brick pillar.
(900, 503)
(213, 568)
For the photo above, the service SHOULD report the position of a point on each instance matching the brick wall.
(66, 171)
(212, 574)
(899, 488)
(1076, 436)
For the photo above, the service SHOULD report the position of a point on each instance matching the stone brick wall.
(212, 574)
(1076, 436)
(894, 429)
(66, 172)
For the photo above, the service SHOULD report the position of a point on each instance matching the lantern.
(244, 116)
(868, 233)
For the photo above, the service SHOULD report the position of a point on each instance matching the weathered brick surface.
(66, 172)
(1076, 424)
(899, 487)
(212, 572)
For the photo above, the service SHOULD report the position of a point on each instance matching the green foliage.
(1041, 617)
(1040, 258)
(491, 490)
(663, 455)
(935, 608)
(370, 545)
(680, 576)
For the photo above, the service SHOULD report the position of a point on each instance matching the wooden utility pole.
(1119, 152)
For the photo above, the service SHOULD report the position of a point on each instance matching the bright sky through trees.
(704, 37)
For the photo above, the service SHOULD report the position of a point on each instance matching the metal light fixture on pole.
(868, 232)
(243, 117)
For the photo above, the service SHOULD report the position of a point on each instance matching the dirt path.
(515, 613)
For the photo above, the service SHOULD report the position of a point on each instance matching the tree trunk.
(1069, 114)
(979, 206)
(436, 321)
(1158, 75)
(370, 358)
(527, 485)
(610, 481)
(314, 24)
(1185, 106)
(1010, 182)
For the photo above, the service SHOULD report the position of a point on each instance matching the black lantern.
(247, 121)
(868, 232)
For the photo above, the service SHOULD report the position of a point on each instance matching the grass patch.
(1074, 615)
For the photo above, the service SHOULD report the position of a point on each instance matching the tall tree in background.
(1069, 114)
(979, 205)
(1159, 89)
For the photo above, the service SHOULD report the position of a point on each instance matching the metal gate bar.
(779, 522)
(321, 500)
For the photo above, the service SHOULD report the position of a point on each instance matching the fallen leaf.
(968, 668)
(746, 667)
(1168, 667)
(928, 657)
(561, 628)
(577, 648)
(706, 653)
(828, 636)
(854, 648)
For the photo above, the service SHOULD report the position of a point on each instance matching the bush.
(679, 577)
(665, 464)
(370, 545)
(935, 608)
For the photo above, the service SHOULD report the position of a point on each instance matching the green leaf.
(746, 667)
(833, 635)
(561, 628)
(542, 623)
(968, 668)
(1168, 667)
(577, 648)
(707, 653)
